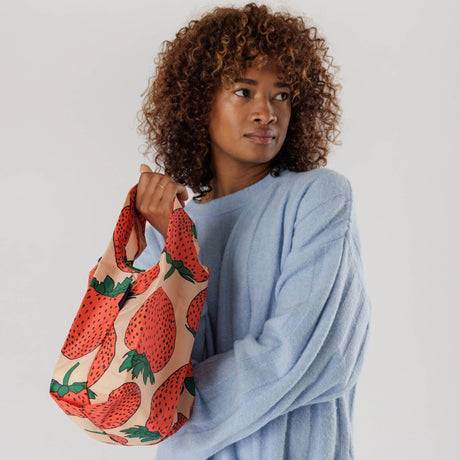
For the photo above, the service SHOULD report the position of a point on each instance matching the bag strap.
(129, 234)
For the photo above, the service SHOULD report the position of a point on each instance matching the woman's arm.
(310, 350)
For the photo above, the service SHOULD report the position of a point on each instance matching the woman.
(242, 109)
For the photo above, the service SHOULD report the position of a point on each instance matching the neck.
(230, 181)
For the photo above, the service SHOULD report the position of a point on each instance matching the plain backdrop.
(71, 77)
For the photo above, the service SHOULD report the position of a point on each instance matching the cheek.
(224, 124)
(214, 125)
(286, 118)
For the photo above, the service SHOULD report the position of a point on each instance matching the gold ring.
(162, 186)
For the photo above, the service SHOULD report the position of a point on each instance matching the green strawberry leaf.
(54, 387)
(143, 433)
(154, 436)
(129, 263)
(137, 358)
(183, 271)
(108, 284)
(108, 288)
(138, 368)
(177, 264)
(150, 376)
(186, 274)
(168, 257)
(170, 272)
(63, 391)
(91, 394)
(128, 363)
(77, 387)
(194, 232)
(138, 364)
(189, 383)
(190, 330)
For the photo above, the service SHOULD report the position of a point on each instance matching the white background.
(71, 77)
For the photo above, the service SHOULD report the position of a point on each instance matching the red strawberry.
(96, 314)
(151, 336)
(144, 280)
(123, 402)
(71, 398)
(118, 439)
(121, 235)
(68, 407)
(128, 221)
(162, 410)
(189, 381)
(164, 402)
(180, 248)
(194, 311)
(181, 419)
(103, 358)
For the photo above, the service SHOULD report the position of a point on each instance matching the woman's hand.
(155, 197)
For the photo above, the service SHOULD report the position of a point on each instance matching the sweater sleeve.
(310, 349)
(151, 254)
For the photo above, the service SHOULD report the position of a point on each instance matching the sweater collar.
(232, 201)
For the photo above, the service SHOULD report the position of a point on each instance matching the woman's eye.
(243, 92)
(282, 96)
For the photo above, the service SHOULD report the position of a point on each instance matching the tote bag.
(124, 374)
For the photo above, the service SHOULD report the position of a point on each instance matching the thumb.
(144, 168)
(182, 194)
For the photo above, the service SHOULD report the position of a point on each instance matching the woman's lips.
(261, 136)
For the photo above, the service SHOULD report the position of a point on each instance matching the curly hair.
(216, 50)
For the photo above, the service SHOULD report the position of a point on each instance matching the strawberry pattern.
(119, 408)
(124, 373)
(179, 249)
(151, 336)
(103, 358)
(163, 408)
(97, 312)
(71, 398)
(194, 312)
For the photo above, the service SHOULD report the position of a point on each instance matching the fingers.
(183, 196)
(145, 168)
(155, 196)
(170, 189)
(152, 180)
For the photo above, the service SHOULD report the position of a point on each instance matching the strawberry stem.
(189, 383)
(67, 375)
(190, 330)
(95, 432)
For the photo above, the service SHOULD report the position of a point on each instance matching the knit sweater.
(285, 326)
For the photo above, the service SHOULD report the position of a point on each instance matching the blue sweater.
(285, 326)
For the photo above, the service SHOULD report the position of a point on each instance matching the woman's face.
(248, 122)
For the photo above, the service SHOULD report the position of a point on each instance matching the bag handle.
(129, 234)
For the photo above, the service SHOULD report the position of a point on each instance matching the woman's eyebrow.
(249, 81)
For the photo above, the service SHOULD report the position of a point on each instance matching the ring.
(162, 186)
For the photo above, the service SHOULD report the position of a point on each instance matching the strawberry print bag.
(124, 373)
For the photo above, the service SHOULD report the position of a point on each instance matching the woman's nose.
(263, 113)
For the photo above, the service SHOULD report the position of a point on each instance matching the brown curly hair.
(216, 50)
